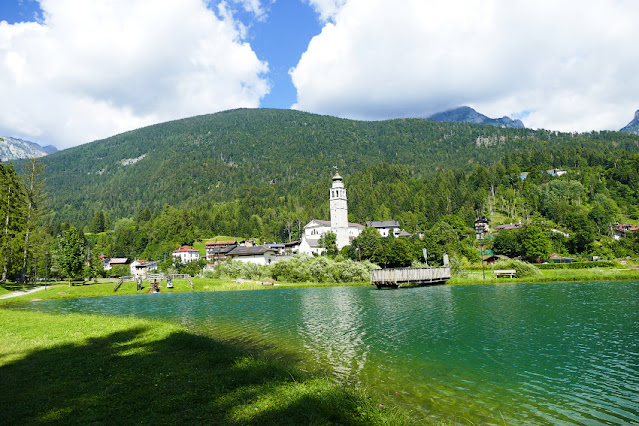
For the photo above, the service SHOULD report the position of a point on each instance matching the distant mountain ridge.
(13, 149)
(633, 126)
(466, 114)
(216, 158)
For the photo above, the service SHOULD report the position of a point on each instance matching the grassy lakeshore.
(553, 275)
(77, 368)
(82, 369)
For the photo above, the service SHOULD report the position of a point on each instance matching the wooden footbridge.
(409, 277)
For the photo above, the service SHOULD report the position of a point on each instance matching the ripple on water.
(536, 353)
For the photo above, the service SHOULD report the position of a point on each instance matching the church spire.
(339, 211)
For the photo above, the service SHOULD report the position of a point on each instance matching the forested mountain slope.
(215, 158)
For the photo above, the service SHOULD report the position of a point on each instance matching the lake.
(532, 353)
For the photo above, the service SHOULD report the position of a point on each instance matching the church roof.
(383, 224)
(328, 223)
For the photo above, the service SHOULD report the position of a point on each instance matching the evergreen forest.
(263, 174)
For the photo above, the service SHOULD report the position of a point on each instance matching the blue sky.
(75, 71)
(280, 38)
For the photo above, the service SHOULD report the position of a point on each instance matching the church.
(339, 225)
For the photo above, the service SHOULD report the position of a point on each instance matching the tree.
(535, 242)
(12, 202)
(70, 254)
(33, 204)
(328, 240)
(97, 223)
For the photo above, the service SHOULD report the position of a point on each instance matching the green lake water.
(564, 353)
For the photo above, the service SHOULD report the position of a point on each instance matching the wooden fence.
(401, 277)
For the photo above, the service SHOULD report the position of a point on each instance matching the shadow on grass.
(13, 286)
(128, 377)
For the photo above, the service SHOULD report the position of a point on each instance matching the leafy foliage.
(70, 255)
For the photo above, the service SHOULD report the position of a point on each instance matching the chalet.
(385, 227)
(622, 230)
(187, 254)
(105, 262)
(115, 261)
(140, 268)
(218, 250)
(260, 255)
(292, 247)
(508, 226)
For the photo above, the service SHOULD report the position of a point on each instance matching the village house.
(218, 250)
(260, 255)
(186, 254)
(386, 227)
(115, 261)
(141, 268)
(508, 226)
(622, 230)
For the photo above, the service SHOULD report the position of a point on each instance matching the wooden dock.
(409, 277)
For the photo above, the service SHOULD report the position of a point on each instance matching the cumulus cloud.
(327, 9)
(91, 69)
(565, 65)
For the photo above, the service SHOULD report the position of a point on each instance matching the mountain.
(221, 157)
(13, 149)
(633, 126)
(466, 114)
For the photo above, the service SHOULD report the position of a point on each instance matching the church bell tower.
(339, 211)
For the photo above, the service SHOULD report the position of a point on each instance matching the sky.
(75, 71)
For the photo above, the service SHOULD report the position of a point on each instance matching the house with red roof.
(187, 254)
(622, 230)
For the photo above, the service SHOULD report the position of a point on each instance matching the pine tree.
(33, 201)
(12, 202)
(71, 254)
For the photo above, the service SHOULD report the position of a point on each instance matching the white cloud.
(253, 6)
(327, 9)
(570, 64)
(92, 69)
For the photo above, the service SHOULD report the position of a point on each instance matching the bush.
(459, 267)
(302, 268)
(523, 269)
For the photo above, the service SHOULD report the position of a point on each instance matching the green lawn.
(82, 369)
(592, 274)
(79, 369)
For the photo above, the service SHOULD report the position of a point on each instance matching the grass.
(79, 369)
(551, 275)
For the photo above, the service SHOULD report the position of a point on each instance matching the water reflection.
(333, 329)
(533, 353)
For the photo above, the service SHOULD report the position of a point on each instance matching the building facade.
(187, 254)
(344, 231)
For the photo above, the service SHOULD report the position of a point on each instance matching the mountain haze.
(217, 157)
(13, 149)
(466, 114)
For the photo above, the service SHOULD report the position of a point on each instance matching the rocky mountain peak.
(14, 149)
(633, 126)
(466, 114)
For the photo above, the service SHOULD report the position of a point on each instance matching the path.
(21, 293)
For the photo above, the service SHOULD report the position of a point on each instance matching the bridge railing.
(409, 275)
